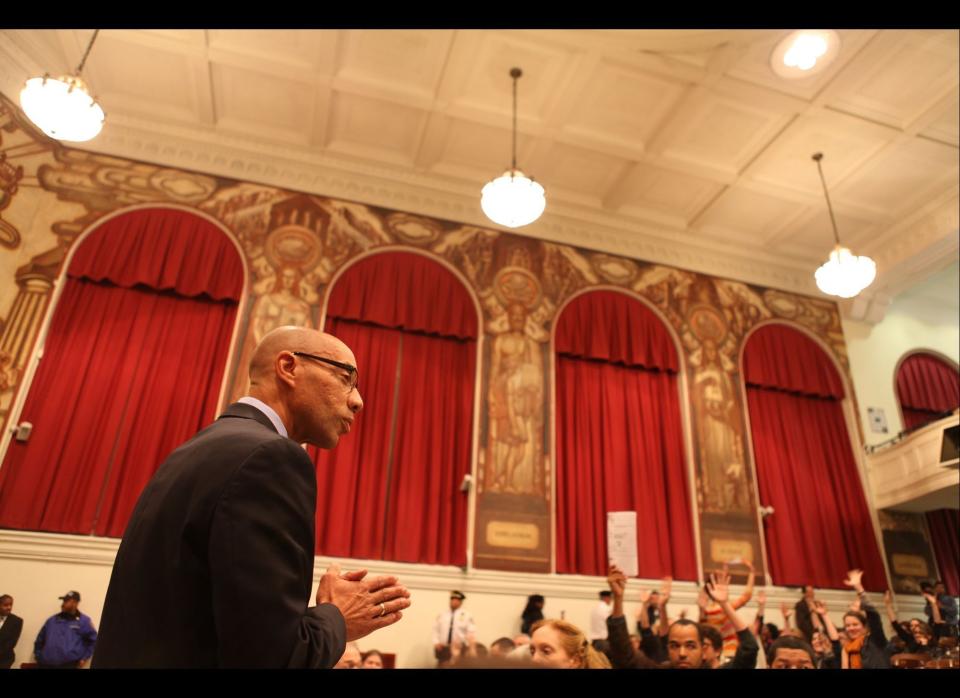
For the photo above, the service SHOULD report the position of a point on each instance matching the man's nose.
(355, 403)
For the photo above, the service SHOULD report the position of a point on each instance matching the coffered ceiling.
(681, 147)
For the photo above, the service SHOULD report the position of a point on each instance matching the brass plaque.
(910, 565)
(726, 549)
(507, 534)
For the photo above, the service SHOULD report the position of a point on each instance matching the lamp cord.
(515, 73)
(87, 52)
(836, 236)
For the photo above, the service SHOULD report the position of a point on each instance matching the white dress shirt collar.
(267, 410)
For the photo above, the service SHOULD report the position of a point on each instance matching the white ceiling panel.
(250, 102)
(845, 141)
(357, 127)
(623, 104)
(899, 76)
(903, 176)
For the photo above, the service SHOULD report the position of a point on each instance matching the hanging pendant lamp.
(513, 199)
(843, 274)
(62, 107)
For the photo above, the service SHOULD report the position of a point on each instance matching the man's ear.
(286, 368)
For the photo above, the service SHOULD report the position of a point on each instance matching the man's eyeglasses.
(354, 375)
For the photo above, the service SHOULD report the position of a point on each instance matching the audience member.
(804, 609)
(939, 600)
(67, 639)
(10, 628)
(712, 646)
(557, 644)
(792, 653)
(372, 659)
(598, 622)
(532, 613)
(914, 636)
(865, 646)
(454, 627)
(502, 647)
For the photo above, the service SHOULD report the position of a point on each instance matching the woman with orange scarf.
(866, 641)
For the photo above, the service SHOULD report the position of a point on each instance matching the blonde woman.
(557, 644)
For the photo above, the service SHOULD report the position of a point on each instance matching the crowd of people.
(721, 638)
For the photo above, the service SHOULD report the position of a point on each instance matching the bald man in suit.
(216, 564)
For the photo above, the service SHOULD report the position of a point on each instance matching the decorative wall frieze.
(441, 197)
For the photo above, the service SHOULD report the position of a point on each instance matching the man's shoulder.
(236, 438)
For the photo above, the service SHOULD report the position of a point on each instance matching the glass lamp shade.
(845, 274)
(62, 108)
(512, 199)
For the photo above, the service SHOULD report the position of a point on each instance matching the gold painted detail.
(910, 565)
(508, 534)
(727, 549)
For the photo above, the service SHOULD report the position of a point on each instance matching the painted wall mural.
(906, 543)
(296, 244)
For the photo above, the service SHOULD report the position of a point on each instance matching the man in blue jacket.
(67, 639)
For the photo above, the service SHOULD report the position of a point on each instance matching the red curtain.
(620, 437)
(162, 249)
(926, 387)
(127, 374)
(944, 527)
(390, 490)
(781, 358)
(821, 526)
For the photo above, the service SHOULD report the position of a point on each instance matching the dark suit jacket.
(9, 636)
(216, 564)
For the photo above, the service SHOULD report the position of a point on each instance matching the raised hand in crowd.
(703, 601)
(853, 579)
(890, 608)
(643, 616)
(787, 613)
(666, 586)
(718, 589)
(820, 608)
(617, 582)
(761, 607)
(934, 607)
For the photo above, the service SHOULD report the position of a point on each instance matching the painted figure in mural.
(515, 409)
(8, 372)
(281, 307)
(721, 447)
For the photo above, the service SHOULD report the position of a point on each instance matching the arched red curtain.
(131, 368)
(619, 437)
(927, 386)
(391, 489)
(944, 527)
(821, 526)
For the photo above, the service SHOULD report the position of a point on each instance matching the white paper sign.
(622, 541)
